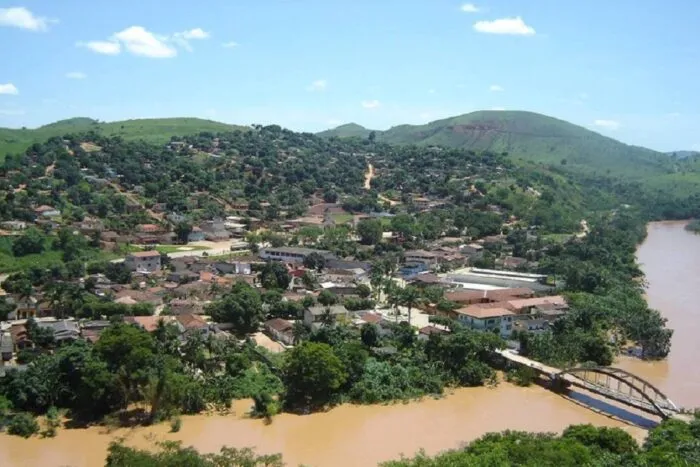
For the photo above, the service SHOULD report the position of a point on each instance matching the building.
(143, 261)
(410, 270)
(63, 331)
(239, 247)
(7, 346)
(554, 305)
(280, 330)
(492, 277)
(14, 225)
(315, 316)
(47, 211)
(291, 254)
(473, 251)
(420, 256)
(471, 297)
(150, 323)
(424, 333)
(196, 235)
(511, 262)
(487, 317)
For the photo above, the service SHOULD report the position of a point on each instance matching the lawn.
(342, 218)
(10, 264)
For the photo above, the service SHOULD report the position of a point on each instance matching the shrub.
(23, 424)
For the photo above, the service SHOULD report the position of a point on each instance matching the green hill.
(541, 139)
(346, 131)
(156, 130)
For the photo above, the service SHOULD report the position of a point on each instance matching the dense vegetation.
(671, 443)
(541, 139)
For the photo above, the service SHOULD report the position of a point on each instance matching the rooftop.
(484, 312)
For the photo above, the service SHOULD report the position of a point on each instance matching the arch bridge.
(612, 383)
(619, 385)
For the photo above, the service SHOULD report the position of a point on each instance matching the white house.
(487, 318)
(291, 254)
(143, 261)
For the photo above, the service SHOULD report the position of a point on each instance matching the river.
(670, 258)
(365, 435)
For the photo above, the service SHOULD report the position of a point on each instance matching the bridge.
(612, 383)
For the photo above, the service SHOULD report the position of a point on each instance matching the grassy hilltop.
(155, 130)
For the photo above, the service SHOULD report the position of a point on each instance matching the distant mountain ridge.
(529, 136)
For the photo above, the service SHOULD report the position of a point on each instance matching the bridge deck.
(667, 407)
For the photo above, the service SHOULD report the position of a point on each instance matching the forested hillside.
(541, 139)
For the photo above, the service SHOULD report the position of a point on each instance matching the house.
(63, 331)
(186, 307)
(27, 307)
(47, 211)
(544, 305)
(143, 261)
(193, 323)
(424, 333)
(196, 235)
(340, 289)
(291, 254)
(315, 316)
(420, 256)
(280, 330)
(150, 323)
(473, 251)
(7, 346)
(149, 228)
(409, 270)
(138, 296)
(470, 297)
(14, 225)
(109, 236)
(239, 247)
(487, 317)
(511, 262)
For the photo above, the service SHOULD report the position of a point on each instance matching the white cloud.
(102, 47)
(317, 86)
(513, 26)
(9, 88)
(182, 38)
(196, 33)
(432, 91)
(470, 8)
(76, 75)
(372, 104)
(230, 45)
(140, 41)
(20, 17)
(607, 124)
(495, 88)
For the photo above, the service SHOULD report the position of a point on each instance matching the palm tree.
(410, 298)
(393, 296)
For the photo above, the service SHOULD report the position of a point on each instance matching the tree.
(327, 298)
(31, 242)
(274, 275)
(370, 231)
(315, 261)
(242, 307)
(23, 424)
(369, 333)
(183, 231)
(363, 291)
(313, 375)
(42, 337)
(410, 297)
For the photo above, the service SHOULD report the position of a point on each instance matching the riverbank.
(347, 435)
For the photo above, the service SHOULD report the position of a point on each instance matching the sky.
(625, 68)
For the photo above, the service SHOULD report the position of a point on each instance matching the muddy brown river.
(365, 435)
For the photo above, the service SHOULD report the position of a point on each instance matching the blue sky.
(628, 69)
